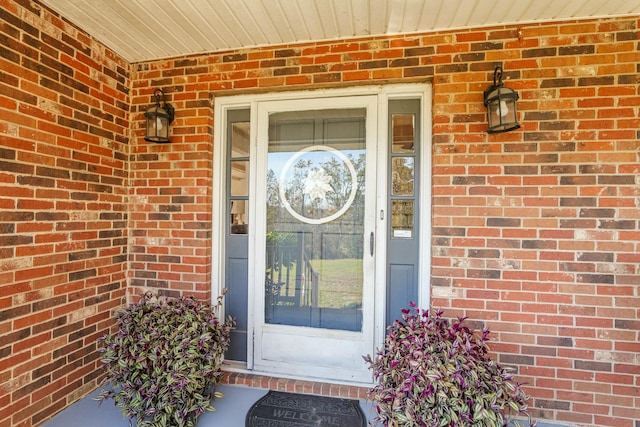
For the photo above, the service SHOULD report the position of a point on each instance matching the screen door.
(316, 253)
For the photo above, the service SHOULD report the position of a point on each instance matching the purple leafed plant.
(436, 373)
(163, 361)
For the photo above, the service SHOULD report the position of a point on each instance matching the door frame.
(422, 91)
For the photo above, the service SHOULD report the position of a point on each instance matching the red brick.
(538, 269)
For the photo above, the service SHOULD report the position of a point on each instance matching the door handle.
(371, 243)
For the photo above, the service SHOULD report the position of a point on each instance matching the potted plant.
(163, 361)
(432, 372)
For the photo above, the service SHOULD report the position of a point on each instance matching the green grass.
(340, 282)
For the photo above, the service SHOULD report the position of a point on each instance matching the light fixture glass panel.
(494, 112)
(403, 128)
(508, 110)
(162, 127)
(503, 115)
(157, 125)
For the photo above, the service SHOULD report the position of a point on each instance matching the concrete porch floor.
(231, 410)
(240, 391)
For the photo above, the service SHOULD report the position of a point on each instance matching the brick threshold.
(295, 385)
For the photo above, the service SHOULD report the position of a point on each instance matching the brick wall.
(535, 232)
(63, 209)
(171, 184)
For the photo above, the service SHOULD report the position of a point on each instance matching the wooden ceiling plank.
(182, 27)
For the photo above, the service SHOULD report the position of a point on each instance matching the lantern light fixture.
(158, 119)
(501, 105)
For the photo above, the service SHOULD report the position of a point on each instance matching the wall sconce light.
(501, 105)
(158, 119)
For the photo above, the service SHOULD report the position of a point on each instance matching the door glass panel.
(402, 219)
(403, 171)
(239, 178)
(402, 176)
(238, 218)
(238, 181)
(240, 139)
(315, 219)
(402, 133)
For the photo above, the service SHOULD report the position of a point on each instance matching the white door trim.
(422, 91)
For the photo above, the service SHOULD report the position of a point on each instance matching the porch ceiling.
(145, 30)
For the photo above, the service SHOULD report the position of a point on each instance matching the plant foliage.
(163, 362)
(435, 373)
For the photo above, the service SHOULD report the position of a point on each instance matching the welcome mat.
(280, 409)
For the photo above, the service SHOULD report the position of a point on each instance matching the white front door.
(315, 237)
